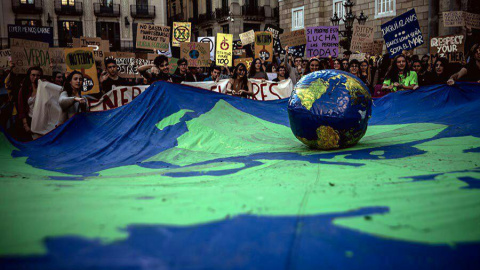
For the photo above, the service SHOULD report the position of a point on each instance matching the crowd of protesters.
(381, 74)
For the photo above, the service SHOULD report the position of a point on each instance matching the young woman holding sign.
(239, 85)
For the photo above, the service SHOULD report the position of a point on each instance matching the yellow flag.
(224, 49)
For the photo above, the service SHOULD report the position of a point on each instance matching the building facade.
(209, 17)
(113, 20)
(297, 14)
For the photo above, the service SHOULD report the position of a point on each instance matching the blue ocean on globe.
(329, 109)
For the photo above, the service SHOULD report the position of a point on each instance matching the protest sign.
(100, 47)
(224, 51)
(362, 38)
(276, 32)
(322, 41)
(167, 53)
(211, 44)
(82, 59)
(264, 46)
(35, 33)
(28, 53)
(57, 58)
(472, 20)
(377, 48)
(297, 51)
(246, 61)
(181, 33)
(294, 38)
(172, 64)
(196, 53)
(117, 97)
(450, 47)
(402, 33)
(126, 62)
(5, 58)
(247, 37)
(152, 37)
(357, 56)
(453, 19)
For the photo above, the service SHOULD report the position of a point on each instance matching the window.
(339, 9)
(27, 2)
(297, 18)
(67, 30)
(28, 22)
(68, 2)
(385, 8)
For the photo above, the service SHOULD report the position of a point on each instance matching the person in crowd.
(239, 85)
(304, 65)
(424, 62)
(345, 63)
(471, 71)
(365, 73)
(26, 102)
(313, 65)
(281, 74)
(215, 75)
(353, 67)
(57, 78)
(441, 71)
(337, 64)
(294, 73)
(346, 55)
(399, 76)
(110, 77)
(182, 74)
(423, 76)
(160, 70)
(71, 100)
(384, 64)
(257, 70)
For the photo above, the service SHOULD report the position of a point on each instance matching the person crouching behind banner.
(26, 102)
(71, 100)
(281, 74)
(239, 82)
(257, 70)
(160, 71)
(399, 76)
(312, 66)
(182, 74)
(215, 75)
(110, 77)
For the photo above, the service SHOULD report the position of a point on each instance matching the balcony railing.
(206, 17)
(142, 11)
(27, 7)
(74, 8)
(176, 18)
(101, 10)
(253, 12)
(222, 13)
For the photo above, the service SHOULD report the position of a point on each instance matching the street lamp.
(335, 19)
(362, 19)
(348, 19)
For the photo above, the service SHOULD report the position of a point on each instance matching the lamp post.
(348, 19)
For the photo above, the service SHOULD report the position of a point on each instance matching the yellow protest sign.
(83, 60)
(224, 49)
(182, 32)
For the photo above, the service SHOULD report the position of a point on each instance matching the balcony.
(73, 8)
(142, 11)
(208, 17)
(176, 18)
(101, 10)
(221, 14)
(276, 13)
(253, 13)
(27, 7)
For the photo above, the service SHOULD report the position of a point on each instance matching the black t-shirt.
(187, 77)
(109, 83)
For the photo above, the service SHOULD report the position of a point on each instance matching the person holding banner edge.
(71, 100)
(160, 71)
(471, 71)
(239, 82)
(399, 76)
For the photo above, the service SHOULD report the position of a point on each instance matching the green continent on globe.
(355, 88)
(313, 92)
(327, 139)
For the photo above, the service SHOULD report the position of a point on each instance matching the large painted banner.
(322, 41)
(35, 33)
(224, 54)
(402, 33)
(117, 97)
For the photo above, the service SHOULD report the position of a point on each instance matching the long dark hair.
(67, 87)
(393, 71)
(307, 69)
(252, 71)
(26, 88)
(235, 74)
(339, 62)
(446, 67)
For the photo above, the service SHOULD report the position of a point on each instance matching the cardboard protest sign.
(172, 64)
(377, 48)
(362, 37)
(453, 19)
(27, 53)
(100, 47)
(196, 53)
(82, 59)
(246, 61)
(294, 38)
(450, 47)
(35, 33)
(472, 20)
(57, 58)
(357, 56)
(152, 37)
(402, 33)
(322, 41)
(5, 58)
(224, 51)
(264, 46)
(211, 44)
(126, 63)
(276, 32)
(182, 32)
(247, 37)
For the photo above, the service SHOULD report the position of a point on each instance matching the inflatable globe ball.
(329, 109)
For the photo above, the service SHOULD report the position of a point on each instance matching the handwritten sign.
(294, 38)
(247, 37)
(35, 33)
(322, 41)
(450, 47)
(472, 20)
(172, 64)
(82, 59)
(276, 32)
(99, 47)
(152, 37)
(182, 32)
(211, 44)
(196, 53)
(246, 61)
(264, 46)
(357, 56)
(28, 53)
(224, 49)
(5, 57)
(362, 37)
(402, 33)
(57, 58)
(461, 18)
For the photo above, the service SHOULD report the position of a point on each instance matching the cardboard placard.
(211, 43)
(402, 33)
(472, 20)
(322, 41)
(5, 58)
(451, 47)
(264, 46)
(294, 38)
(362, 38)
(453, 19)
(57, 58)
(247, 37)
(100, 47)
(27, 53)
(182, 32)
(152, 37)
(172, 64)
(196, 53)
(224, 52)
(377, 48)
(35, 33)
(276, 32)
(83, 60)
(357, 56)
(246, 61)
(126, 62)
